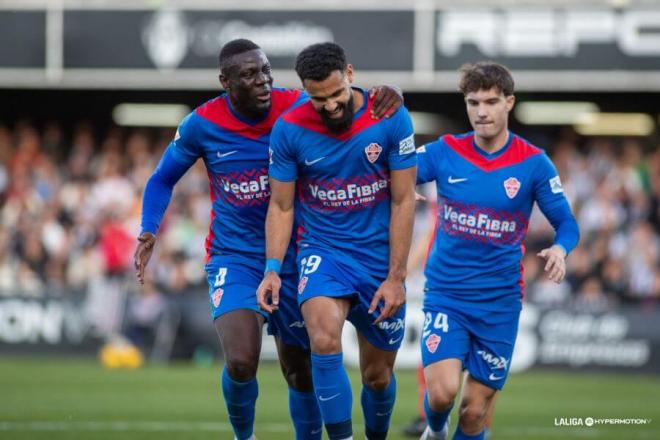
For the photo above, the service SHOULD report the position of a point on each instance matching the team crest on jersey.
(373, 151)
(301, 285)
(511, 185)
(432, 342)
(217, 296)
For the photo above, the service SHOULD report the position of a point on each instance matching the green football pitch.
(43, 398)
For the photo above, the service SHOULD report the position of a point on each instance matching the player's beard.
(339, 125)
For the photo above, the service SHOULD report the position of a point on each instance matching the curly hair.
(485, 75)
(318, 61)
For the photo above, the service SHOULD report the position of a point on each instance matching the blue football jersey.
(343, 180)
(484, 205)
(235, 152)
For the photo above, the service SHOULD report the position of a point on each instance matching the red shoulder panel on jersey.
(218, 112)
(307, 117)
(517, 152)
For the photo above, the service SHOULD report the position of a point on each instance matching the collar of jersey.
(245, 119)
(498, 153)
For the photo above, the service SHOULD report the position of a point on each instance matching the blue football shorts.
(233, 281)
(331, 274)
(482, 340)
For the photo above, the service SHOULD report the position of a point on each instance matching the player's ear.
(510, 102)
(349, 73)
(223, 81)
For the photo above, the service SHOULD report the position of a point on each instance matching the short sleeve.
(183, 147)
(428, 161)
(402, 141)
(283, 165)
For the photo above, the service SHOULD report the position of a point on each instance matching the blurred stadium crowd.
(70, 205)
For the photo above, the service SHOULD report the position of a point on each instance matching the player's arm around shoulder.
(549, 194)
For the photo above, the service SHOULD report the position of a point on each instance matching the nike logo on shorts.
(312, 162)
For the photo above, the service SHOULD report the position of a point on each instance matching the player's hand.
(555, 265)
(387, 101)
(143, 253)
(393, 295)
(269, 289)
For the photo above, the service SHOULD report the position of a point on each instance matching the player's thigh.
(443, 380)
(388, 334)
(287, 323)
(475, 402)
(324, 319)
(493, 340)
(376, 365)
(232, 285)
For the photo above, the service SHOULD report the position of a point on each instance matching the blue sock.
(334, 394)
(436, 420)
(305, 414)
(377, 408)
(460, 435)
(240, 398)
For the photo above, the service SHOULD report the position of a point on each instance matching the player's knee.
(298, 378)
(324, 343)
(441, 396)
(377, 377)
(241, 368)
(471, 417)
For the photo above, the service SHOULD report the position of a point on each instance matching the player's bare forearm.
(279, 219)
(401, 221)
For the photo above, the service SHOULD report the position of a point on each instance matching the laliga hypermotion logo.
(166, 38)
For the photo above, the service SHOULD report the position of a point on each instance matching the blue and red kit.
(235, 152)
(343, 205)
(474, 272)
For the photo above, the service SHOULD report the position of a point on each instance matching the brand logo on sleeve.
(555, 185)
(407, 145)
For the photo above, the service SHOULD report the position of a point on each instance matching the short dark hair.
(318, 61)
(235, 47)
(485, 75)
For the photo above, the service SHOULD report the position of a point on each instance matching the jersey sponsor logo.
(407, 145)
(242, 188)
(302, 284)
(217, 297)
(432, 342)
(373, 151)
(481, 224)
(451, 179)
(555, 185)
(312, 162)
(349, 194)
(511, 186)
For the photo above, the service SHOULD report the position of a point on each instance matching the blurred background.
(91, 93)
